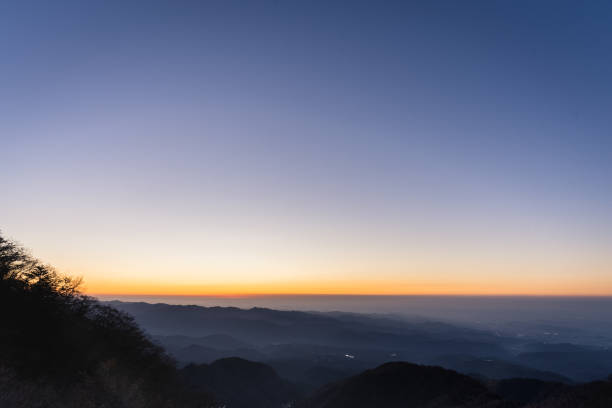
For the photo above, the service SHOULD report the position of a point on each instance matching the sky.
(310, 147)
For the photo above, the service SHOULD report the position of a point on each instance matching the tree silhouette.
(82, 352)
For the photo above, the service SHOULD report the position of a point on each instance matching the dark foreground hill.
(597, 394)
(400, 385)
(239, 383)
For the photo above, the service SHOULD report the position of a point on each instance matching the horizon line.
(255, 295)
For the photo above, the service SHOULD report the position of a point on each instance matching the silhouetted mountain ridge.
(294, 342)
(395, 385)
(402, 384)
(239, 383)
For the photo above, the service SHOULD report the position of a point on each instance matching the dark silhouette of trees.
(73, 351)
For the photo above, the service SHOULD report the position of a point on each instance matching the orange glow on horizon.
(363, 289)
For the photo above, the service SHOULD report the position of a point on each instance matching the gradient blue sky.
(311, 147)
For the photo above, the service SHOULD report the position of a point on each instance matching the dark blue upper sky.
(452, 146)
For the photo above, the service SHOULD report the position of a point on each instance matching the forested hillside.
(59, 348)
